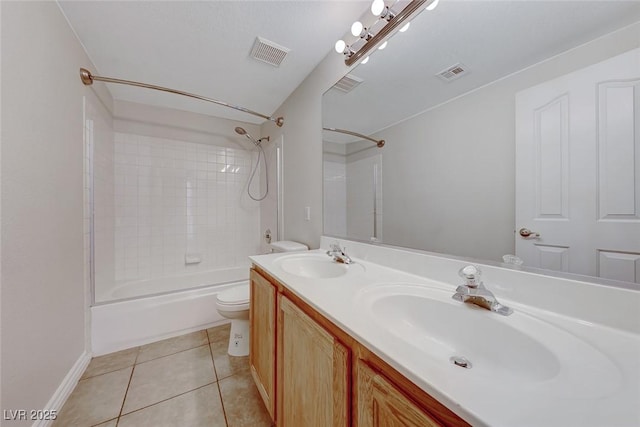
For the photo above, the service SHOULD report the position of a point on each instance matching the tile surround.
(165, 199)
(178, 387)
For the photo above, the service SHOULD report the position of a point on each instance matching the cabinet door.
(313, 372)
(380, 404)
(262, 344)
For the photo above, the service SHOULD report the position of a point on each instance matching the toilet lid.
(236, 295)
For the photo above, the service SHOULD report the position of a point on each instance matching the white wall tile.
(173, 197)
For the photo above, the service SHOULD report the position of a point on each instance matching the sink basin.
(315, 266)
(519, 348)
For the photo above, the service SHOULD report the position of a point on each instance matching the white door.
(578, 171)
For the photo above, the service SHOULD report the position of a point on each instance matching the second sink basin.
(314, 266)
(520, 348)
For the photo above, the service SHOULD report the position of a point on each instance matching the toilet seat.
(235, 298)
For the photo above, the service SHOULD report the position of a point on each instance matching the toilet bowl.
(233, 304)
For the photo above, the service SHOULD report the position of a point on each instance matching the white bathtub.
(179, 305)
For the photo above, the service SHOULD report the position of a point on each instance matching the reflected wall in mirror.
(471, 160)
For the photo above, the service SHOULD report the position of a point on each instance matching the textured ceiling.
(203, 47)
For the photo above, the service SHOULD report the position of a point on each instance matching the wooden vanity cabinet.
(311, 373)
(381, 404)
(262, 338)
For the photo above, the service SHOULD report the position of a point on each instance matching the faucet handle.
(471, 274)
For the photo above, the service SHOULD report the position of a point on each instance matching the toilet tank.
(288, 246)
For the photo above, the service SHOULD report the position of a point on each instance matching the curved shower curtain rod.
(88, 78)
(379, 143)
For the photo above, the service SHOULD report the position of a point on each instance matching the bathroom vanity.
(381, 342)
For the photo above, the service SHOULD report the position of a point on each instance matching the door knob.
(526, 233)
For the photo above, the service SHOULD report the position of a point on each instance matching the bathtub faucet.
(474, 292)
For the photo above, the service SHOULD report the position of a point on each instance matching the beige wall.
(43, 290)
(302, 157)
(457, 162)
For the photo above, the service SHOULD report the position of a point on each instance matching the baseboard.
(66, 387)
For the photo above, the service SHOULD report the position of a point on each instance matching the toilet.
(233, 304)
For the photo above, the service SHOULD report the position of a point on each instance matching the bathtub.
(155, 309)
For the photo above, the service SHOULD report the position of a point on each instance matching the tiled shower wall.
(349, 196)
(335, 198)
(176, 199)
(99, 137)
(361, 196)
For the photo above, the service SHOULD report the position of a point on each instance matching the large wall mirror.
(498, 116)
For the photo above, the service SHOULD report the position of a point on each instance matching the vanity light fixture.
(342, 47)
(359, 30)
(377, 7)
(365, 60)
(389, 18)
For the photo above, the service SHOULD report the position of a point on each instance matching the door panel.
(578, 170)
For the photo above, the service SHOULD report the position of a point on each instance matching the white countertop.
(596, 381)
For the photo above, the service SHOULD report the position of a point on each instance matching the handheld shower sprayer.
(256, 142)
(241, 131)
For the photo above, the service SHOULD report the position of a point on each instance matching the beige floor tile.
(172, 346)
(111, 423)
(201, 407)
(219, 335)
(111, 362)
(228, 365)
(95, 400)
(242, 403)
(169, 376)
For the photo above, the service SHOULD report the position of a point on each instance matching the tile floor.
(187, 381)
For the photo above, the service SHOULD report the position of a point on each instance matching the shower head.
(241, 131)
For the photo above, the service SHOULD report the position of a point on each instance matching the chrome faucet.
(474, 292)
(339, 254)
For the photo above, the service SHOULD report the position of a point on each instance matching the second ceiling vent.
(348, 83)
(267, 51)
(452, 73)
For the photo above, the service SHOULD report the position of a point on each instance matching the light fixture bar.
(88, 79)
(395, 22)
(379, 143)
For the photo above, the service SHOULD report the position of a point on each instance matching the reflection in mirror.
(497, 116)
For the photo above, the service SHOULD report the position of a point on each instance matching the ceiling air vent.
(453, 72)
(267, 51)
(348, 83)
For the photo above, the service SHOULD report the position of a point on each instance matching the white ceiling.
(203, 47)
(492, 38)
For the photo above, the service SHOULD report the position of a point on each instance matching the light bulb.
(377, 7)
(432, 5)
(383, 45)
(356, 28)
(365, 60)
(340, 46)
(405, 27)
